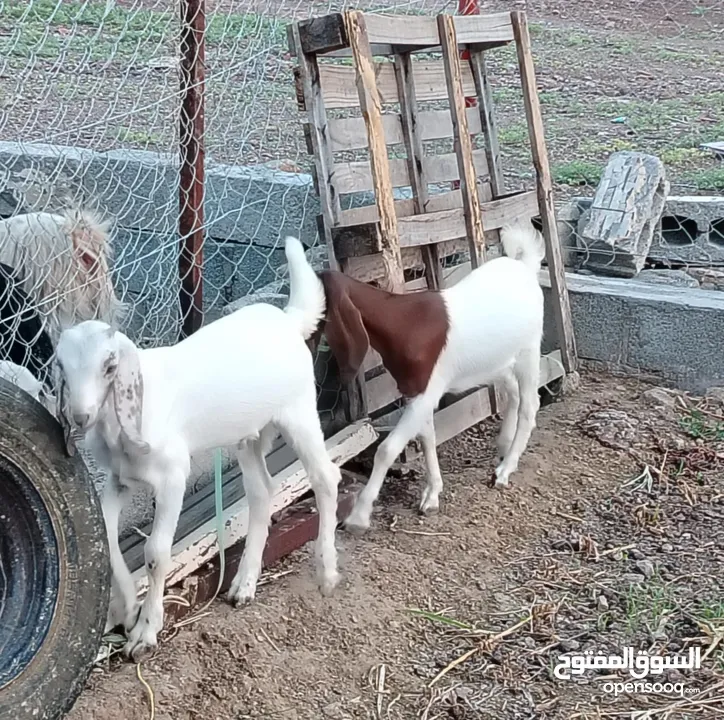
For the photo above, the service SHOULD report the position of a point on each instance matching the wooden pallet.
(196, 541)
(405, 86)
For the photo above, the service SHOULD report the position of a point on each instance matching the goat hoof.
(328, 585)
(241, 593)
(356, 528)
(429, 505)
(501, 478)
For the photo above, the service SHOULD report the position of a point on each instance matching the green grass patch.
(88, 31)
(577, 172)
(700, 426)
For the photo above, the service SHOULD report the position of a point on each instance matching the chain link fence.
(90, 99)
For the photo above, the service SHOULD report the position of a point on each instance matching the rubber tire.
(32, 440)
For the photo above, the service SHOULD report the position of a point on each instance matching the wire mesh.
(91, 92)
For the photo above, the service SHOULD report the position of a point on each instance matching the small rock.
(611, 427)
(716, 394)
(602, 603)
(633, 578)
(667, 547)
(661, 397)
(569, 645)
(708, 279)
(645, 567)
(636, 554)
(529, 642)
(618, 555)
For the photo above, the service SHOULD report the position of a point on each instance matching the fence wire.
(90, 97)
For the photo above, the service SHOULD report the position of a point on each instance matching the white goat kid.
(237, 381)
(495, 318)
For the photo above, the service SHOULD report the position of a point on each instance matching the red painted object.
(467, 7)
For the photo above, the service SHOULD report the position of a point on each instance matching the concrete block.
(691, 231)
(675, 334)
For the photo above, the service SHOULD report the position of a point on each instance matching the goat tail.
(306, 304)
(523, 242)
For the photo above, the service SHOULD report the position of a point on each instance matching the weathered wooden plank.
(352, 177)
(338, 83)
(381, 391)
(486, 119)
(351, 133)
(308, 72)
(322, 34)
(463, 144)
(421, 169)
(509, 208)
(200, 546)
(544, 185)
(403, 208)
(369, 268)
(417, 31)
(370, 104)
(432, 227)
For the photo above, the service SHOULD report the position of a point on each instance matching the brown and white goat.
(486, 328)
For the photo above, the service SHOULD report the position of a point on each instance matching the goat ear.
(69, 440)
(346, 336)
(128, 399)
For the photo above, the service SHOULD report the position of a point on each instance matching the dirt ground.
(611, 535)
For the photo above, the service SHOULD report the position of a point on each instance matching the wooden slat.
(486, 119)
(351, 133)
(420, 168)
(321, 34)
(561, 304)
(508, 209)
(338, 83)
(403, 208)
(416, 31)
(369, 102)
(352, 177)
(370, 267)
(463, 144)
(381, 391)
(200, 546)
(323, 158)
(402, 33)
(440, 226)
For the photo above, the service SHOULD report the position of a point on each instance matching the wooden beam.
(486, 119)
(200, 546)
(417, 164)
(463, 144)
(544, 185)
(407, 32)
(322, 34)
(351, 133)
(440, 226)
(370, 104)
(339, 88)
(323, 156)
(353, 177)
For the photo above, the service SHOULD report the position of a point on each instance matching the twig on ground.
(149, 692)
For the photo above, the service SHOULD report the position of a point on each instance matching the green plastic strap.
(220, 525)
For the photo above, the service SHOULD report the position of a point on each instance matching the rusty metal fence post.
(191, 144)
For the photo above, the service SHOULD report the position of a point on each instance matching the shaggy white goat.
(237, 381)
(63, 261)
(490, 327)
